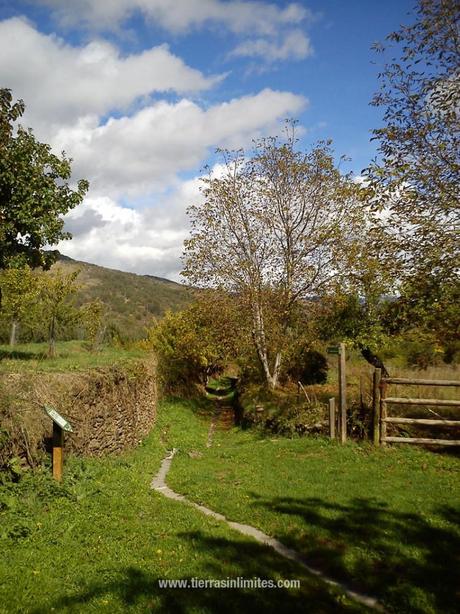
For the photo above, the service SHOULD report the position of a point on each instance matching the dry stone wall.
(110, 409)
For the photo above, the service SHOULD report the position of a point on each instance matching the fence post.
(377, 376)
(332, 418)
(361, 392)
(383, 412)
(343, 394)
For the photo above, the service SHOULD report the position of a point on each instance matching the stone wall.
(110, 409)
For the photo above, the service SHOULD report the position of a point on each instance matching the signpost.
(339, 350)
(342, 394)
(60, 425)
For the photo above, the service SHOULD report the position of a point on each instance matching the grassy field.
(71, 356)
(385, 521)
(102, 540)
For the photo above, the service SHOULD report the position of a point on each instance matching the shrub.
(422, 350)
(186, 350)
(308, 366)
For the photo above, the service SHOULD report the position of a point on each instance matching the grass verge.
(70, 356)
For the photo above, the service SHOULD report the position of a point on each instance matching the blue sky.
(140, 92)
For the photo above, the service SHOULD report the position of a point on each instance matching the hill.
(133, 301)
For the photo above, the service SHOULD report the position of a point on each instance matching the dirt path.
(159, 484)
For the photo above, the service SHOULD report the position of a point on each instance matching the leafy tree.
(56, 290)
(34, 192)
(20, 295)
(417, 178)
(430, 307)
(187, 350)
(274, 229)
(354, 310)
(93, 316)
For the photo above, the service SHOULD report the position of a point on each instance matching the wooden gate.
(380, 410)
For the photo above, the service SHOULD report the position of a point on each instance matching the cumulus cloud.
(84, 221)
(295, 44)
(61, 82)
(95, 103)
(276, 29)
(179, 16)
(146, 241)
(146, 151)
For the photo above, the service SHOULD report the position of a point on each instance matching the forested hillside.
(131, 301)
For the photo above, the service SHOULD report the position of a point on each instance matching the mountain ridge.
(133, 301)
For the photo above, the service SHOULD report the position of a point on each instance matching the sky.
(140, 93)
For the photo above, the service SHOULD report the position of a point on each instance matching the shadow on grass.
(21, 355)
(409, 561)
(220, 558)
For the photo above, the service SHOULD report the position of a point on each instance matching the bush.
(308, 366)
(422, 350)
(186, 350)
(282, 412)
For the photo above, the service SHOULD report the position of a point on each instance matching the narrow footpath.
(159, 484)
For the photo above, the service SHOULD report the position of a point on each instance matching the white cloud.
(295, 44)
(178, 16)
(147, 241)
(145, 152)
(95, 103)
(60, 82)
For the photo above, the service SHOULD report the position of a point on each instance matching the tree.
(273, 229)
(417, 178)
(20, 294)
(430, 307)
(34, 192)
(57, 310)
(187, 349)
(94, 319)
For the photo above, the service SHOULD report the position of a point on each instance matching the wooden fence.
(380, 410)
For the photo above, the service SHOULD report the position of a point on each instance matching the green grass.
(101, 541)
(71, 356)
(386, 521)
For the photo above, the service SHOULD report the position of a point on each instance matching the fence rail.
(380, 410)
(422, 382)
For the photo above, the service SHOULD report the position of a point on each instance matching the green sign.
(334, 349)
(58, 419)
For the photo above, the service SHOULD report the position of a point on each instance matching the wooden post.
(376, 405)
(332, 418)
(342, 394)
(383, 412)
(58, 450)
(361, 392)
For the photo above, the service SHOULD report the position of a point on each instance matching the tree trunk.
(52, 339)
(258, 335)
(276, 369)
(13, 332)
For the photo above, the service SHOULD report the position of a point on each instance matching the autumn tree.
(187, 347)
(57, 310)
(93, 316)
(416, 178)
(34, 192)
(20, 289)
(274, 229)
